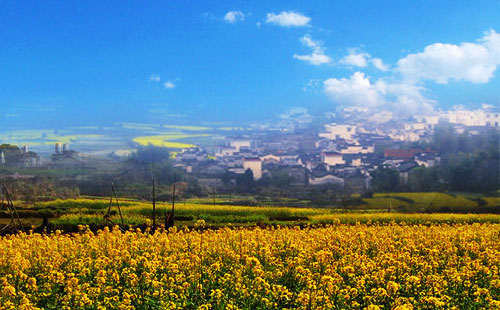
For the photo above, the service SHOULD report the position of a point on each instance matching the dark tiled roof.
(252, 159)
(407, 166)
(400, 154)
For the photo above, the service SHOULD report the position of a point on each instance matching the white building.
(332, 158)
(58, 148)
(270, 158)
(223, 151)
(254, 164)
(427, 160)
(338, 131)
(473, 117)
(238, 144)
(492, 119)
(381, 117)
(357, 162)
(427, 119)
(358, 149)
(417, 126)
(327, 179)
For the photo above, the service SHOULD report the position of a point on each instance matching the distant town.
(346, 149)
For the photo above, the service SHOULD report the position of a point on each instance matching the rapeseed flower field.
(360, 266)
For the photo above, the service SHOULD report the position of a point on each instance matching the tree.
(12, 153)
(245, 181)
(146, 160)
(385, 180)
(280, 178)
(424, 179)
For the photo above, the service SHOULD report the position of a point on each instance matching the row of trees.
(469, 163)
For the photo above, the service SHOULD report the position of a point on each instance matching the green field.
(117, 136)
(417, 208)
(431, 202)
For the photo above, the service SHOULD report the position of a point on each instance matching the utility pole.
(15, 223)
(83, 169)
(169, 217)
(154, 191)
(107, 215)
(173, 193)
(213, 194)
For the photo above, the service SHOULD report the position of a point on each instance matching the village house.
(404, 170)
(270, 158)
(357, 149)
(332, 158)
(210, 168)
(255, 165)
(338, 131)
(427, 119)
(241, 143)
(427, 159)
(323, 179)
(400, 154)
(223, 151)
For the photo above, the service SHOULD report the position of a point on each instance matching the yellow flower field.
(164, 140)
(335, 267)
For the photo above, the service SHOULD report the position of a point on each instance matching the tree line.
(469, 163)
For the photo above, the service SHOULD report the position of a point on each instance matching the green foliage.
(424, 179)
(66, 214)
(245, 181)
(12, 153)
(146, 162)
(433, 202)
(470, 163)
(9, 148)
(40, 189)
(385, 180)
(79, 204)
(280, 178)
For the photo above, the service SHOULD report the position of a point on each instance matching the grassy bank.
(416, 208)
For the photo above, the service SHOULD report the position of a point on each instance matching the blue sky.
(87, 62)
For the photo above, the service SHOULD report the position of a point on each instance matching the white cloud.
(360, 59)
(379, 64)
(402, 90)
(312, 83)
(317, 57)
(439, 62)
(288, 19)
(154, 78)
(403, 97)
(314, 58)
(169, 85)
(307, 41)
(355, 91)
(234, 16)
(355, 58)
